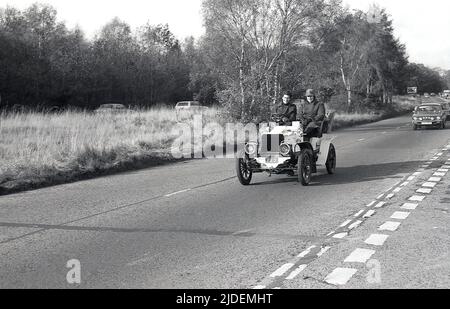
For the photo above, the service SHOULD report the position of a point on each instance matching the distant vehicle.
(433, 94)
(189, 105)
(426, 95)
(446, 94)
(189, 108)
(111, 109)
(446, 108)
(430, 115)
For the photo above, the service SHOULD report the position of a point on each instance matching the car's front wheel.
(304, 167)
(244, 173)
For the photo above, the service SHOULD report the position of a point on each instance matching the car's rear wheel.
(305, 167)
(244, 173)
(331, 160)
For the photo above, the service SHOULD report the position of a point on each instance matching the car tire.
(304, 167)
(244, 174)
(331, 160)
(416, 127)
(443, 125)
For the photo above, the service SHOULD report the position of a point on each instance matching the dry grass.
(38, 149)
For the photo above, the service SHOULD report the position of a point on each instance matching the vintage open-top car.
(285, 149)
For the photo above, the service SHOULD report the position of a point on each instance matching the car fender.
(324, 151)
(299, 147)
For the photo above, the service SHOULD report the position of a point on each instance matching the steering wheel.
(277, 118)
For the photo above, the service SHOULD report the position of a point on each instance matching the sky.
(423, 26)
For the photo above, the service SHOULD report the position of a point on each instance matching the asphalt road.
(192, 225)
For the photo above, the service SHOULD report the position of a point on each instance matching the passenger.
(287, 111)
(311, 114)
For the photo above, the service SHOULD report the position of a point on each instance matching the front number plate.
(272, 160)
(427, 123)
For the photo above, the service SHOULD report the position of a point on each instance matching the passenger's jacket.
(312, 113)
(288, 111)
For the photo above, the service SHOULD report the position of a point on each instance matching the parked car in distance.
(189, 105)
(429, 115)
(426, 95)
(111, 109)
(188, 108)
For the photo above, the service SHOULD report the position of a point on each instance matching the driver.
(287, 110)
(311, 114)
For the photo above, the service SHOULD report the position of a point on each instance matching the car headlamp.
(250, 148)
(285, 150)
(438, 118)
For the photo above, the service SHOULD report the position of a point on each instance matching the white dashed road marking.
(282, 270)
(360, 256)
(340, 235)
(400, 215)
(306, 252)
(429, 185)
(424, 191)
(410, 206)
(390, 226)
(417, 198)
(377, 239)
(340, 276)
(296, 272)
(381, 204)
(369, 214)
(435, 179)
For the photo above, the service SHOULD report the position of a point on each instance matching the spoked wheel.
(305, 167)
(331, 160)
(243, 172)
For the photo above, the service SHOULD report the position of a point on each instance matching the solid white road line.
(259, 287)
(417, 198)
(176, 193)
(410, 206)
(359, 213)
(443, 170)
(359, 256)
(417, 174)
(397, 190)
(377, 239)
(340, 276)
(404, 184)
(380, 196)
(296, 272)
(389, 226)
(400, 215)
(411, 178)
(282, 270)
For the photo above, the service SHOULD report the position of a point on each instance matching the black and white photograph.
(226, 151)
